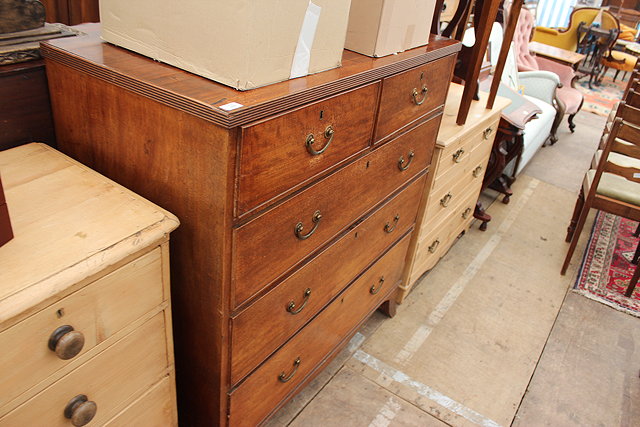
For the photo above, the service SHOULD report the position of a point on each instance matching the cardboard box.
(384, 27)
(6, 233)
(241, 43)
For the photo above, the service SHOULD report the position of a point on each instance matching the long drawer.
(411, 94)
(297, 227)
(95, 313)
(445, 198)
(111, 380)
(286, 369)
(436, 237)
(285, 151)
(456, 156)
(267, 323)
(155, 408)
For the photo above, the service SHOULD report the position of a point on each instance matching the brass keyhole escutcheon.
(477, 171)
(466, 213)
(487, 133)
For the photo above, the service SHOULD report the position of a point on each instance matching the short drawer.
(275, 241)
(111, 380)
(95, 313)
(155, 408)
(411, 94)
(267, 323)
(286, 369)
(291, 149)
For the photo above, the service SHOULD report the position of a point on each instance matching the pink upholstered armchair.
(569, 99)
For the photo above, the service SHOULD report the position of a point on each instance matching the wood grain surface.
(203, 98)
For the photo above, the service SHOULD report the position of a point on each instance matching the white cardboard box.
(384, 27)
(240, 43)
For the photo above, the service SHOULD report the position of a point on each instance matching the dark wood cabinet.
(72, 12)
(25, 110)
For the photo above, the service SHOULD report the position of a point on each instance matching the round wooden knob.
(65, 342)
(80, 410)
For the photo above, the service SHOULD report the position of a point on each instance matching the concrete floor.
(490, 336)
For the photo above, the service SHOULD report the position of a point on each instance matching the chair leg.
(633, 282)
(615, 76)
(636, 256)
(637, 233)
(572, 126)
(575, 215)
(576, 236)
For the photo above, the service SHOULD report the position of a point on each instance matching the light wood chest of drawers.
(84, 298)
(296, 207)
(459, 163)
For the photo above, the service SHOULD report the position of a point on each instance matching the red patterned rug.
(606, 267)
(601, 99)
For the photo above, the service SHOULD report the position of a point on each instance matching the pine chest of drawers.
(85, 318)
(459, 162)
(297, 202)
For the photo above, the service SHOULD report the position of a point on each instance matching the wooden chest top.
(205, 98)
(61, 211)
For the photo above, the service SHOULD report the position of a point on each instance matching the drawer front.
(96, 311)
(274, 242)
(111, 379)
(404, 100)
(155, 408)
(446, 198)
(291, 149)
(437, 233)
(280, 375)
(456, 157)
(267, 323)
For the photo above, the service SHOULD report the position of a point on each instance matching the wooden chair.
(614, 186)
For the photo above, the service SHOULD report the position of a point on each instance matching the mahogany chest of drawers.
(297, 202)
(453, 186)
(85, 317)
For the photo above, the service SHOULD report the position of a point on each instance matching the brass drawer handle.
(466, 213)
(434, 246)
(283, 377)
(424, 91)
(487, 133)
(66, 342)
(457, 155)
(328, 134)
(80, 410)
(476, 172)
(373, 290)
(389, 228)
(444, 202)
(291, 307)
(300, 227)
(401, 164)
